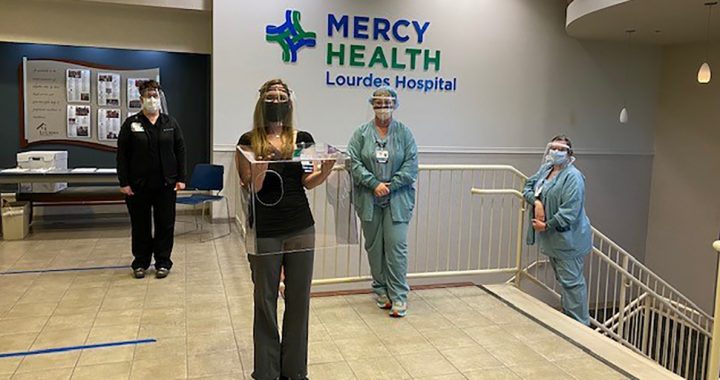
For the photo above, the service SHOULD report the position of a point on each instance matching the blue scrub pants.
(574, 295)
(387, 248)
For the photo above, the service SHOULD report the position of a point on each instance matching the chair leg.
(194, 221)
(194, 211)
(227, 207)
(202, 220)
(231, 220)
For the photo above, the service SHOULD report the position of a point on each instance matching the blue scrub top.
(569, 234)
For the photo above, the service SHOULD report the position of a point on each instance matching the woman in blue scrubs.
(384, 167)
(560, 225)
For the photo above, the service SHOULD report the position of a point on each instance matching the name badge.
(137, 127)
(381, 156)
(307, 166)
(167, 129)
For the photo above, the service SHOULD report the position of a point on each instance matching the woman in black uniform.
(285, 233)
(151, 170)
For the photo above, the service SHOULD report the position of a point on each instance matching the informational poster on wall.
(72, 103)
(77, 85)
(109, 124)
(133, 94)
(108, 89)
(78, 122)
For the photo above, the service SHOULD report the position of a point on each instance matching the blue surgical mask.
(558, 157)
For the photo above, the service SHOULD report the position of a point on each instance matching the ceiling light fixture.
(624, 117)
(704, 74)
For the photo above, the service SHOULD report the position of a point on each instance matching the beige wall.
(198, 5)
(84, 23)
(684, 217)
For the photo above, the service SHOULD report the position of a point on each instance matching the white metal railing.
(461, 233)
(631, 304)
(715, 343)
(451, 234)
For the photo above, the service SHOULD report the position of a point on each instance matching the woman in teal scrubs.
(384, 167)
(560, 225)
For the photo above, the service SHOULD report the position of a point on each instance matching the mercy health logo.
(290, 36)
(369, 47)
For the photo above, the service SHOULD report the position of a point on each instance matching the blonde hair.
(260, 144)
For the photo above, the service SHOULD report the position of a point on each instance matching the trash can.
(15, 220)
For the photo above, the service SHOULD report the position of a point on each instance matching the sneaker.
(398, 310)
(139, 273)
(162, 273)
(281, 290)
(383, 302)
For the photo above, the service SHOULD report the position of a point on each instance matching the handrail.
(497, 192)
(714, 363)
(643, 267)
(628, 307)
(470, 167)
(647, 289)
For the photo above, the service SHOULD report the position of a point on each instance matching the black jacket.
(140, 149)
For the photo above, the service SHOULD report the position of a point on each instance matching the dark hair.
(564, 139)
(148, 85)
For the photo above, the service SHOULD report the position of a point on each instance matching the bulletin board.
(186, 80)
(75, 103)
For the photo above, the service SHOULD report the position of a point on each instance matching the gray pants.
(287, 357)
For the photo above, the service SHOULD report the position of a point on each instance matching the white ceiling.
(655, 21)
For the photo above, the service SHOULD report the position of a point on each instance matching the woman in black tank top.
(282, 228)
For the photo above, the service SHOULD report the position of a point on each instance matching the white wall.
(521, 80)
(685, 207)
(84, 23)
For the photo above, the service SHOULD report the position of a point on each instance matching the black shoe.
(139, 273)
(162, 273)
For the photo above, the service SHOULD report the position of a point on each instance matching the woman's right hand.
(382, 190)
(539, 211)
(127, 190)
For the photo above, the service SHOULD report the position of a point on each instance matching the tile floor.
(201, 316)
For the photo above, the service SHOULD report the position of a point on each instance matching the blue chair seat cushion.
(196, 199)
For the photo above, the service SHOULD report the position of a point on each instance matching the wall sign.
(389, 52)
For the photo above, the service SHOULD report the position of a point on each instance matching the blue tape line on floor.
(75, 348)
(63, 270)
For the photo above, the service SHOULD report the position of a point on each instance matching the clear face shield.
(163, 102)
(558, 153)
(278, 207)
(382, 107)
(277, 107)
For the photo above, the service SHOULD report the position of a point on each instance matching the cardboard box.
(45, 160)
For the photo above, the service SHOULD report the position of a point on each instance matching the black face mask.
(275, 112)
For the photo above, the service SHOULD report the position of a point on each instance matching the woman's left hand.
(326, 166)
(539, 225)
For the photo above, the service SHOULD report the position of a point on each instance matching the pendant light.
(704, 74)
(624, 117)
